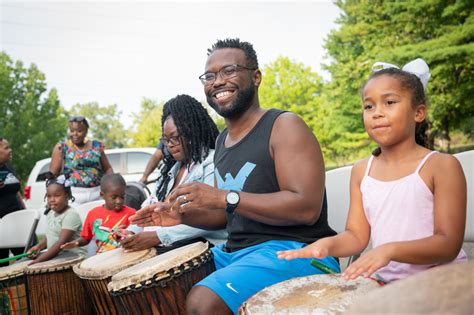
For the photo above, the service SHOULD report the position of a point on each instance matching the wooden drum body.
(55, 289)
(95, 273)
(160, 284)
(13, 289)
(318, 294)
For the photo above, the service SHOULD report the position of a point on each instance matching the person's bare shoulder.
(442, 163)
(290, 130)
(358, 169)
(289, 120)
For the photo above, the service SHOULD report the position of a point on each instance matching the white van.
(130, 162)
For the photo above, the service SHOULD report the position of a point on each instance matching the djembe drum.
(317, 294)
(159, 285)
(444, 289)
(95, 273)
(13, 290)
(55, 289)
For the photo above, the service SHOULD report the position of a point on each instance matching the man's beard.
(238, 106)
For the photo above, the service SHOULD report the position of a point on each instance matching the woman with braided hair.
(190, 140)
(189, 134)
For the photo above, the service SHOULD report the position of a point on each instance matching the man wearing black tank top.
(269, 190)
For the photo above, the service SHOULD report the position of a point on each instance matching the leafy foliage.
(147, 124)
(31, 118)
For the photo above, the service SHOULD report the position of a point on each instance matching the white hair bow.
(418, 67)
(62, 180)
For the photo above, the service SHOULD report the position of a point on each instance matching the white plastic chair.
(84, 208)
(467, 162)
(17, 229)
(338, 195)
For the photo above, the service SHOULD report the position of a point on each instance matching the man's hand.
(197, 195)
(140, 241)
(158, 214)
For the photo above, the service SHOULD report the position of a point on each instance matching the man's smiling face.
(233, 96)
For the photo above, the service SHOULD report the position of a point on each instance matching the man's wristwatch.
(233, 199)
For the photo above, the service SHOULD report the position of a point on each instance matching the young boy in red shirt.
(103, 220)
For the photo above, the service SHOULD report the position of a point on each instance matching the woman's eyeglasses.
(174, 141)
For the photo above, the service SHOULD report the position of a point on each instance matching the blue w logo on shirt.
(238, 182)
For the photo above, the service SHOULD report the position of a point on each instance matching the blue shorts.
(241, 274)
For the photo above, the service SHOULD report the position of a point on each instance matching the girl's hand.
(317, 249)
(70, 245)
(121, 234)
(369, 263)
(33, 252)
(140, 241)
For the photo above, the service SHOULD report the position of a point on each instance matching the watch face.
(232, 198)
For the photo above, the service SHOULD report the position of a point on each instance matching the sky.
(119, 52)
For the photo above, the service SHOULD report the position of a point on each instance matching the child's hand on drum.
(368, 263)
(70, 245)
(121, 234)
(314, 250)
(140, 241)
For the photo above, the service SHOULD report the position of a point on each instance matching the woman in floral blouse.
(82, 160)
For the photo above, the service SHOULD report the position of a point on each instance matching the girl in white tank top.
(410, 201)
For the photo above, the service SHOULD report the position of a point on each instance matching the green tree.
(220, 122)
(147, 124)
(439, 31)
(292, 86)
(31, 118)
(450, 53)
(104, 123)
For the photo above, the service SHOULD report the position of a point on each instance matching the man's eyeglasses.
(79, 119)
(225, 72)
(174, 141)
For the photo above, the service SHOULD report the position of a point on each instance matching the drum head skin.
(318, 294)
(441, 290)
(14, 270)
(106, 264)
(156, 265)
(64, 260)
